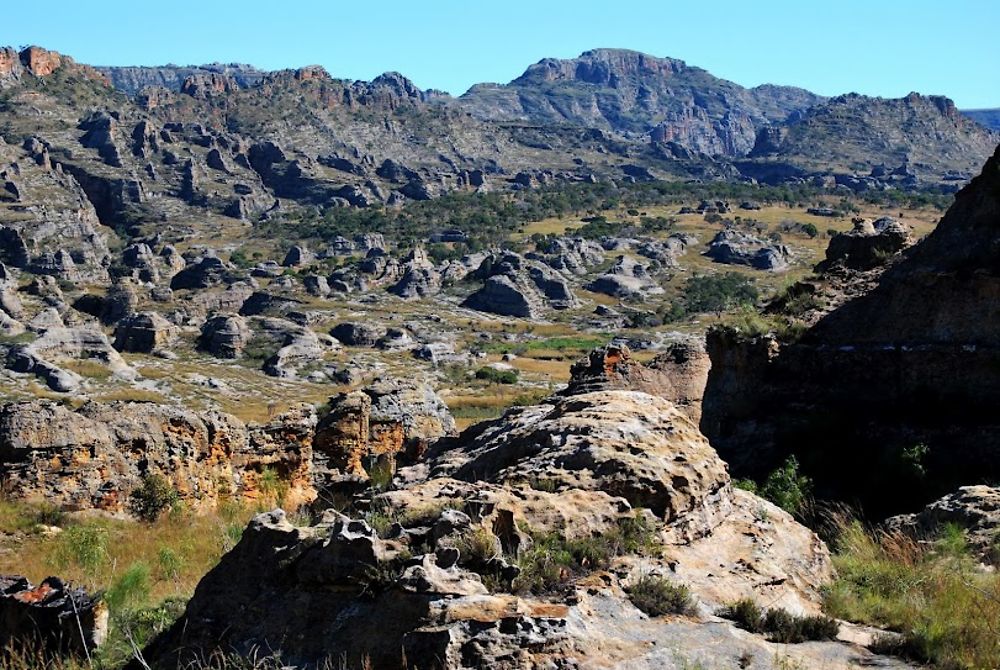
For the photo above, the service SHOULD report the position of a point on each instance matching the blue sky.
(876, 47)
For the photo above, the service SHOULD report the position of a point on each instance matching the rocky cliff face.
(872, 387)
(901, 136)
(92, 458)
(131, 80)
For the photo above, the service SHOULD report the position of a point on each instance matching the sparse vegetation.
(786, 487)
(656, 596)
(553, 559)
(779, 624)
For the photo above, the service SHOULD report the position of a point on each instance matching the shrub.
(787, 488)
(779, 624)
(657, 596)
(154, 496)
(719, 293)
(495, 376)
(83, 546)
(745, 613)
(479, 545)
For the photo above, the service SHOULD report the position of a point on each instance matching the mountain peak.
(604, 67)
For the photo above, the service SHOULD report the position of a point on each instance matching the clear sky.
(876, 47)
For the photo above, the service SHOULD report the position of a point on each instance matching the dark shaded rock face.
(891, 398)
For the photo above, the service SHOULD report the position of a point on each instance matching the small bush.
(657, 596)
(779, 624)
(170, 563)
(745, 613)
(787, 488)
(494, 376)
(152, 498)
(479, 546)
(782, 626)
(83, 546)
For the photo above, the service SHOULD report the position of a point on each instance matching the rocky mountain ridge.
(606, 104)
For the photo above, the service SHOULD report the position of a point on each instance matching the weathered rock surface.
(868, 244)
(626, 279)
(43, 356)
(738, 248)
(92, 458)
(144, 332)
(975, 509)
(514, 286)
(678, 374)
(378, 424)
(425, 593)
(225, 335)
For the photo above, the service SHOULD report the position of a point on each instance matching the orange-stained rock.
(93, 457)
(40, 62)
(378, 424)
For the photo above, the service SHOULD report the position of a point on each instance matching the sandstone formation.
(678, 374)
(92, 458)
(974, 509)
(58, 617)
(514, 286)
(386, 421)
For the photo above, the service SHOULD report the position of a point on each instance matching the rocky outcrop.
(626, 279)
(60, 619)
(514, 286)
(378, 424)
(93, 457)
(678, 374)
(420, 278)
(356, 334)
(206, 272)
(425, 593)
(889, 398)
(44, 357)
(145, 333)
(225, 335)
(737, 248)
(974, 509)
(868, 244)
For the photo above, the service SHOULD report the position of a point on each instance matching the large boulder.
(867, 244)
(144, 332)
(60, 619)
(225, 335)
(515, 286)
(975, 509)
(738, 248)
